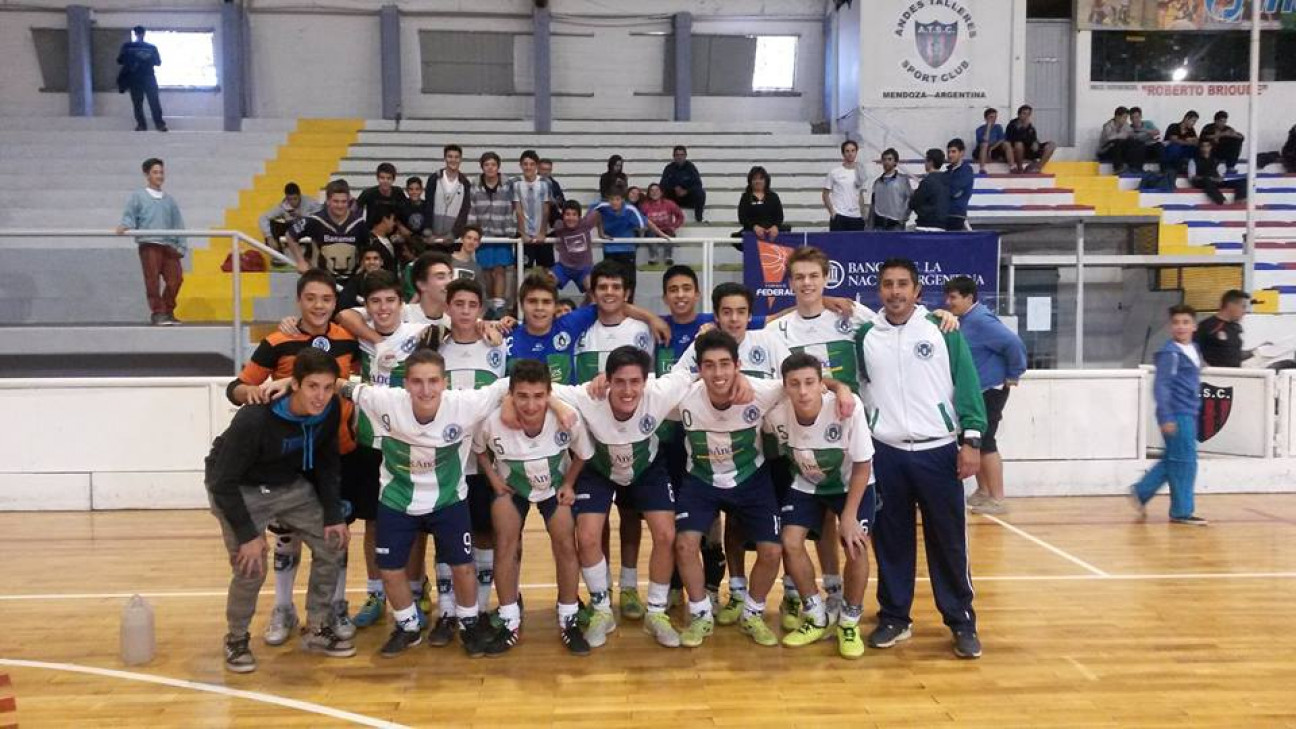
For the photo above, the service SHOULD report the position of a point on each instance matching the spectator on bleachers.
(991, 142)
(492, 211)
(682, 183)
(634, 195)
(575, 247)
(1146, 131)
(556, 195)
(152, 209)
(931, 201)
(1117, 145)
(449, 200)
(622, 220)
(841, 191)
(1025, 142)
(137, 60)
(1226, 141)
(531, 204)
(417, 213)
(384, 195)
(382, 234)
(613, 177)
(668, 218)
(961, 184)
(372, 258)
(336, 235)
(1220, 336)
(1180, 143)
(1288, 152)
(759, 209)
(1205, 174)
(892, 190)
(465, 257)
(274, 223)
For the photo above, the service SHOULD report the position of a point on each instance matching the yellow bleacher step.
(1264, 301)
(1078, 168)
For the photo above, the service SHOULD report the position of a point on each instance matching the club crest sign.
(935, 41)
(1217, 404)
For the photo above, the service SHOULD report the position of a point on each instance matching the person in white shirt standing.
(841, 192)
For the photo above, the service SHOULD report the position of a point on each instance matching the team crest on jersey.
(562, 438)
(751, 414)
(833, 433)
(844, 325)
(924, 349)
(757, 355)
(322, 344)
(495, 358)
(452, 433)
(647, 424)
(561, 341)
(409, 345)
(642, 340)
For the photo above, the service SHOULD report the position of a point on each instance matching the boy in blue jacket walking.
(1177, 393)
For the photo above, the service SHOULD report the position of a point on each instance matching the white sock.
(814, 608)
(737, 588)
(833, 586)
(629, 578)
(850, 614)
(596, 579)
(375, 586)
(466, 614)
(700, 609)
(407, 618)
(658, 597)
(445, 590)
(511, 616)
(751, 607)
(287, 557)
(566, 614)
(485, 561)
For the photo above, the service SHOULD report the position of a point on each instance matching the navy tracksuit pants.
(929, 480)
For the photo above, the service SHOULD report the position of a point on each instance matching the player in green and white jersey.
(623, 423)
(537, 463)
(426, 438)
(832, 458)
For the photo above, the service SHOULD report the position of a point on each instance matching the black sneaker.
(238, 656)
(888, 634)
(574, 639)
(442, 633)
(501, 641)
(400, 641)
(967, 644)
(476, 635)
(323, 640)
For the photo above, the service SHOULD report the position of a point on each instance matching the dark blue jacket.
(931, 201)
(998, 353)
(1177, 388)
(961, 181)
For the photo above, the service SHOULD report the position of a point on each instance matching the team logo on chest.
(751, 414)
(757, 355)
(562, 438)
(647, 424)
(561, 341)
(495, 358)
(642, 340)
(452, 433)
(844, 325)
(408, 345)
(924, 349)
(322, 344)
(833, 433)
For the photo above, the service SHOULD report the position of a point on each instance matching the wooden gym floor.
(1089, 619)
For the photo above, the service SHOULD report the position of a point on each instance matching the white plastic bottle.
(137, 640)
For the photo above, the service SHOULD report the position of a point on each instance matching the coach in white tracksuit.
(922, 391)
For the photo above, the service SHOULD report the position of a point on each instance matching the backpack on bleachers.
(1157, 181)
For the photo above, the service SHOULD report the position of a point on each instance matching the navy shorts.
(807, 510)
(650, 492)
(494, 255)
(547, 508)
(995, 398)
(480, 496)
(780, 471)
(562, 274)
(360, 482)
(450, 527)
(751, 501)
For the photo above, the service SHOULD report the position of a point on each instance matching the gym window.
(737, 65)
(188, 58)
(775, 67)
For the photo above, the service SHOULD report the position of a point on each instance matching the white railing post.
(236, 271)
(708, 278)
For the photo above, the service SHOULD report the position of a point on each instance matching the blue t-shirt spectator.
(996, 134)
(623, 223)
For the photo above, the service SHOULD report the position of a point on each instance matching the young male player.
(832, 458)
(336, 233)
(427, 435)
(273, 359)
(538, 464)
(258, 471)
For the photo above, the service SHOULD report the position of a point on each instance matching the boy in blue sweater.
(1177, 391)
(160, 255)
(961, 182)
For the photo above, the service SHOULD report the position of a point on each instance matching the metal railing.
(236, 280)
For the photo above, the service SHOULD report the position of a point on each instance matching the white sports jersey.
(594, 346)
(760, 355)
(532, 466)
(623, 449)
(423, 463)
(724, 446)
(472, 366)
(413, 313)
(829, 337)
(823, 453)
(384, 364)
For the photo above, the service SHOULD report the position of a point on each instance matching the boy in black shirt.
(930, 202)
(1026, 144)
(1220, 336)
(336, 234)
(385, 195)
(1227, 141)
(257, 473)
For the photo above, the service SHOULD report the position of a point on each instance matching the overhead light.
(1179, 74)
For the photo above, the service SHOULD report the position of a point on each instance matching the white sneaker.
(342, 625)
(601, 623)
(283, 621)
(658, 625)
(977, 498)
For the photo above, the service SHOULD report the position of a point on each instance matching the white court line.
(1167, 576)
(206, 687)
(1061, 553)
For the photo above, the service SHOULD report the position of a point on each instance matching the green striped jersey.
(724, 445)
(824, 453)
(472, 365)
(384, 364)
(760, 355)
(624, 448)
(829, 337)
(533, 466)
(423, 463)
(594, 346)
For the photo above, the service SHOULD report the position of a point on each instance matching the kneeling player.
(832, 459)
(426, 436)
(528, 463)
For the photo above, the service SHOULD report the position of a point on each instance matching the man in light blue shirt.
(160, 255)
(991, 143)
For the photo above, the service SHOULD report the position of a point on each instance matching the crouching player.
(832, 461)
(535, 464)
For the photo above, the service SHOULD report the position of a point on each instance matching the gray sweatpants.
(298, 508)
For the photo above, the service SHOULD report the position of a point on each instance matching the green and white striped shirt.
(825, 452)
(532, 466)
(724, 445)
